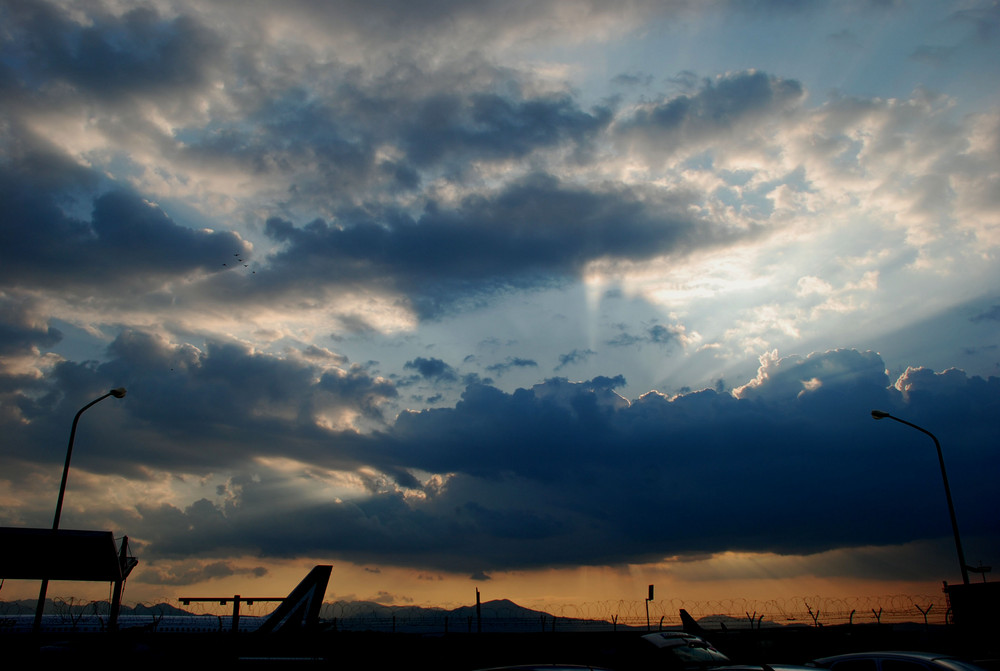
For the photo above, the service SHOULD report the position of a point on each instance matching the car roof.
(899, 654)
(546, 667)
(763, 667)
(670, 639)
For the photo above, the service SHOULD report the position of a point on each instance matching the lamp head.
(118, 393)
(879, 414)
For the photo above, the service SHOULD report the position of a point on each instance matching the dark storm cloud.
(446, 119)
(432, 369)
(336, 137)
(408, 27)
(22, 328)
(993, 314)
(107, 57)
(567, 473)
(533, 232)
(474, 378)
(576, 356)
(511, 362)
(324, 145)
(375, 124)
(661, 334)
(530, 233)
(492, 127)
(986, 21)
(196, 573)
(635, 79)
(720, 106)
(195, 410)
(657, 334)
(626, 340)
(125, 238)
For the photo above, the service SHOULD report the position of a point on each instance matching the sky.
(553, 300)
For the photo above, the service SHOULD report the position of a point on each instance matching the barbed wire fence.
(736, 613)
(753, 613)
(713, 614)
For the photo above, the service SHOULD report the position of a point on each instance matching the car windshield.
(700, 654)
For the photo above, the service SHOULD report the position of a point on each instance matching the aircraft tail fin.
(300, 609)
(689, 624)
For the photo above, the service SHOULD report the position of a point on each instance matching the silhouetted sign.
(61, 554)
(650, 593)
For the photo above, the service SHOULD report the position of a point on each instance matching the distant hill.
(496, 609)
(726, 622)
(345, 610)
(499, 614)
(27, 607)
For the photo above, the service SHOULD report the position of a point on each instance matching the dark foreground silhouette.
(624, 651)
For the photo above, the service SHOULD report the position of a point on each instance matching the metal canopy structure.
(66, 554)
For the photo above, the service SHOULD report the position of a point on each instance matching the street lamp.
(117, 393)
(879, 414)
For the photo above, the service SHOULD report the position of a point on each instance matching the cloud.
(993, 314)
(126, 240)
(492, 127)
(423, 189)
(404, 29)
(552, 476)
(432, 369)
(574, 357)
(387, 598)
(137, 53)
(195, 409)
(404, 178)
(844, 38)
(933, 55)
(657, 334)
(636, 79)
(534, 232)
(511, 362)
(788, 377)
(22, 327)
(665, 334)
(985, 19)
(196, 572)
(718, 109)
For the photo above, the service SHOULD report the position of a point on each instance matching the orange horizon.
(582, 592)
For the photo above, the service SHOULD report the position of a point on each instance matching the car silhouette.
(895, 661)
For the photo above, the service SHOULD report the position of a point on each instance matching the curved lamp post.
(879, 414)
(117, 393)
